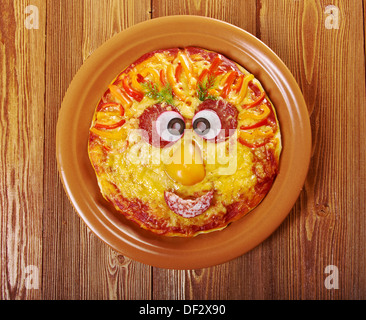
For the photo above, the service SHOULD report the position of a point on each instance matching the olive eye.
(201, 126)
(170, 126)
(207, 124)
(176, 126)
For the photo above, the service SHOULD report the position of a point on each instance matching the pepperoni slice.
(188, 208)
(147, 121)
(227, 113)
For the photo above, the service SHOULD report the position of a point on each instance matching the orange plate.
(91, 82)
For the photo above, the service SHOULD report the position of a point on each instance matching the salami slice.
(227, 113)
(147, 121)
(188, 208)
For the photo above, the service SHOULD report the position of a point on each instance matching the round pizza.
(184, 142)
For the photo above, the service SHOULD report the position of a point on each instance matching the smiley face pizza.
(184, 142)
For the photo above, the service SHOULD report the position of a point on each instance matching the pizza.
(184, 141)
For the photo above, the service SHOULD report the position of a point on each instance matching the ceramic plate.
(90, 83)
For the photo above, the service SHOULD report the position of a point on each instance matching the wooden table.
(46, 250)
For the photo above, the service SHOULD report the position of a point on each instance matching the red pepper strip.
(256, 125)
(138, 96)
(162, 77)
(110, 126)
(215, 64)
(238, 83)
(219, 72)
(110, 104)
(212, 70)
(106, 148)
(227, 87)
(256, 102)
(140, 78)
(178, 72)
(255, 88)
(202, 75)
(252, 145)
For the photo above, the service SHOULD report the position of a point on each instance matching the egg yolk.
(187, 165)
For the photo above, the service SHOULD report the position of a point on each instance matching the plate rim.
(128, 245)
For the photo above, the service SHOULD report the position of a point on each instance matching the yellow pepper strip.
(135, 83)
(255, 116)
(118, 94)
(171, 79)
(223, 80)
(155, 78)
(117, 135)
(151, 71)
(155, 74)
(213, 92)
(255, 134)
(188, 70)
(187, 66)
(244, 89)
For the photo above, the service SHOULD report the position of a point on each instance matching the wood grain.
(39, 227)
(62, 246)
(22, 138)
(115, 276)
(231, 11)
(332, 80)
(79, 254)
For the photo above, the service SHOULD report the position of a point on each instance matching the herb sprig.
(204, 88)
(153, 92)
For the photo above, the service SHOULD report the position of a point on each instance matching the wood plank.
(61, 236)
(329, 226)
(107, 274)
(113, 17)
(209, 283)
(364, 24)
(73, 255)
(22, 137)
(239, 13)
